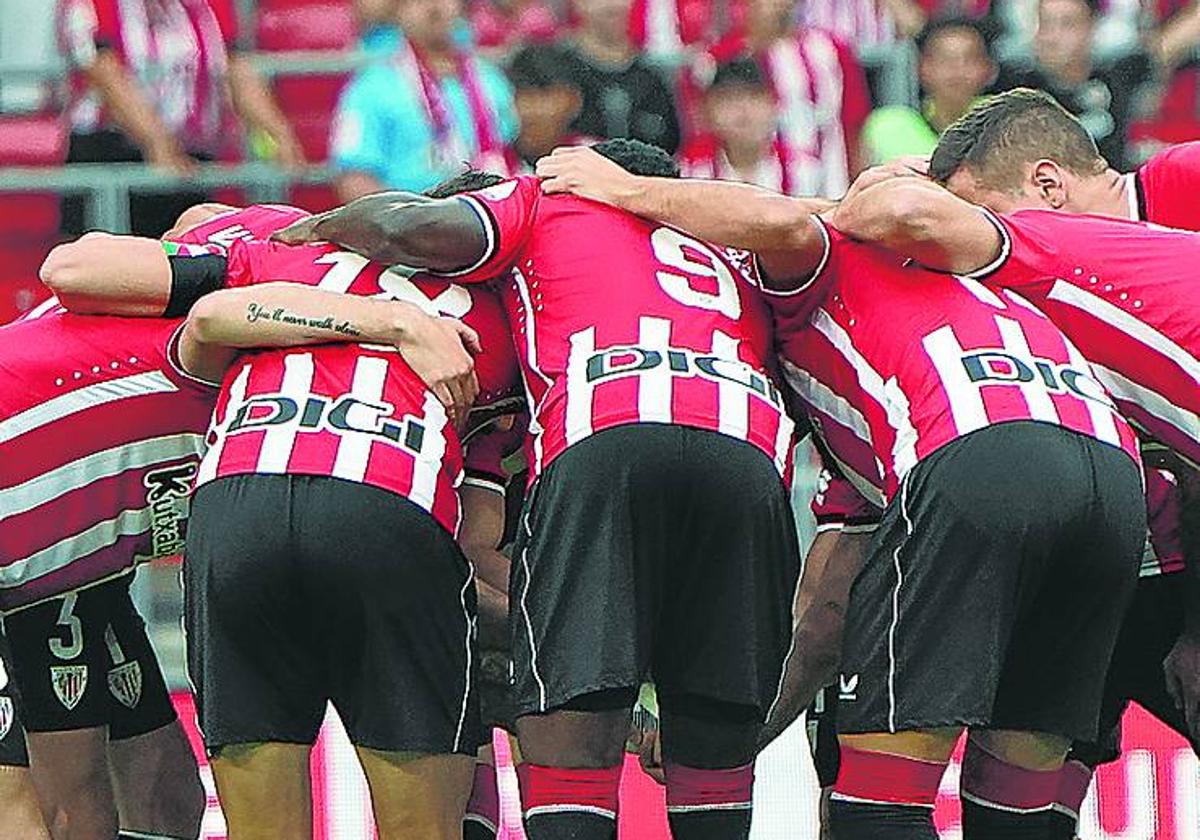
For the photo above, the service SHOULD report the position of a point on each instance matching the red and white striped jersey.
(243, 224)
(1163, 190)
(1124, 292)
(351, 411)
(100, 437)
(895, 361)
(618, 321)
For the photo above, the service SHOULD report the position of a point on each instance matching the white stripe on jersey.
(66, 551)
(980, 291)
(354, 449)
(95, 467)
(1020, 301)
(1104, 420)
(1037, 398)
(825, 400)
(579, 390)
(1152, 402)
(733, 400)
(654, 385)
(43, 414)
(346, 267)
(1123, 322)
(428, 464)
(41, 309)
(783, 442)
(212, 458)
(888, 394)
(964, 396)
(278, 441)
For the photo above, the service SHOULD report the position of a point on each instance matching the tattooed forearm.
(256, 312)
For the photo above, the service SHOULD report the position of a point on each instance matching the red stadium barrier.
(1152, 793)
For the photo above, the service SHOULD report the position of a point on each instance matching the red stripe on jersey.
(99, 439)
(685, 336)
(897, 361)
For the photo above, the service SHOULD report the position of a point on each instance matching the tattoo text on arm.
(256, 312)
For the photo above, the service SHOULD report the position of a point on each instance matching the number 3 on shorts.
(74, 630)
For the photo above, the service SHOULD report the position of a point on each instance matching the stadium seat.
(28, 221)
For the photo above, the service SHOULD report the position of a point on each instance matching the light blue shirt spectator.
(384, 129)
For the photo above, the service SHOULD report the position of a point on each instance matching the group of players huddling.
(1007, 401)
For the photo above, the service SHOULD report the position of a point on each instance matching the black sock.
(867, 821)
(570, 825)
(1062, 826)
(731, 824)
(983, 822)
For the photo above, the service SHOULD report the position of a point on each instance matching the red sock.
(693, 789)
(564, 790)
(994, 783)
(1073, 781)
(879, 778)
(483, 807)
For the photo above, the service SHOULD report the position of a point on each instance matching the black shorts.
(302, 590)
(653, 548)
(1152, 625)
(83, 660)
(995, 587)
(12, 733)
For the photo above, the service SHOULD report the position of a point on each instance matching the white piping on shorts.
(470, 622)
(908, 530)
(525, 609)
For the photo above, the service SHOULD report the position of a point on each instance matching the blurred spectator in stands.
(623, 95)
(820, 92)
(745, 144)
(417, 117)
(501, 26)
(1176, 46)
(1103, 96)
(547, 101)
(151, 81)
(955, 68)
(866, 23)
(672, 31)
(378, 32)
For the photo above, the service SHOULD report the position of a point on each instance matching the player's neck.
(1108, 194)
(745, 158)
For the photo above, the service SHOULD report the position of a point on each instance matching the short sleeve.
(795, 305)
(506, 212)
(1028, 252)
(359, 140)
(1167, 186)
(838, 506)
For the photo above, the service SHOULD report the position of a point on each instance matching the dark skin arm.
(833, 563)
(442, 235)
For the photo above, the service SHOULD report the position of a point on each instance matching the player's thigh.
(729, 573)
(265, 790)
(18, 802)
(417, 795)
(249, 615)
(396, 590)
(70, 773)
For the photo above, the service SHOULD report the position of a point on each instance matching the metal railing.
(107, 186)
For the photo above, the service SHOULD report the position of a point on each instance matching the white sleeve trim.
(816, 272)
(1005, 247)
(489, 231)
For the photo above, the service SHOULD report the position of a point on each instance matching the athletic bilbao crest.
(6, 716)
(69, 683)
(125, 683)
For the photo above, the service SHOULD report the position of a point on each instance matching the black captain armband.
(192, 277)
